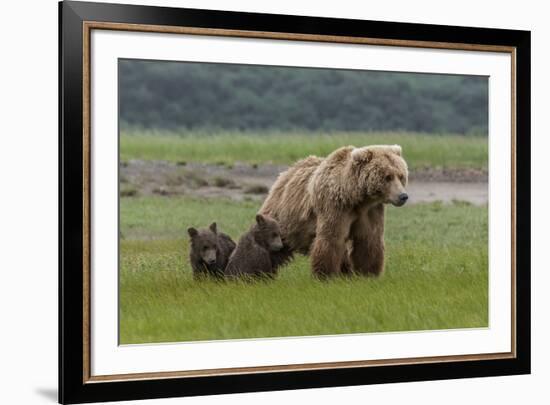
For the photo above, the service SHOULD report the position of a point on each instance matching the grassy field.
(436, 274)
(445, 151)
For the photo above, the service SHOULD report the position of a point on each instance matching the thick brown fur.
(256, 251)
(209, 252)
(333, 208)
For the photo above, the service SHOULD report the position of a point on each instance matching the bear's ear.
(213, 227)
(260, 220)
(396, 149)
(363, 155)
(192, 232)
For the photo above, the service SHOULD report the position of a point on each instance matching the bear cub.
(254, 254)
(210, 251)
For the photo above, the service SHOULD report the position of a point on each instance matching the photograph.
(261, 201)
(275, 202)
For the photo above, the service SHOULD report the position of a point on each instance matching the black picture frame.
(73, 387)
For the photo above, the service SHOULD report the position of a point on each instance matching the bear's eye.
(274, 235)
(389, 178)
(402, 179)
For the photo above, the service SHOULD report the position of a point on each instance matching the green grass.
(420, 150)
(436, 278)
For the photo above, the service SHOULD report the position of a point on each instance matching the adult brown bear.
(333, 208)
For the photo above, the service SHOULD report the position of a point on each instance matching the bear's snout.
(400, 200)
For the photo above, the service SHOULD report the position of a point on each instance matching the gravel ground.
(244, 182)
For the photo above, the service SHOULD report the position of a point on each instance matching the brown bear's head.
(204, 242)
(381, 172)
(267, 233)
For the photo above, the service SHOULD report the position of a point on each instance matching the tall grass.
(420, 150)
(436, 278)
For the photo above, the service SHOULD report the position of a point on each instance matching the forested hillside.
(174, 95)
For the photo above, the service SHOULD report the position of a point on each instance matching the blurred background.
(176, 95)
(226, 130)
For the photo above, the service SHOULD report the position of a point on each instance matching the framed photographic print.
(255, 202)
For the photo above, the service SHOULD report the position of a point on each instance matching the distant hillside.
(170, 95)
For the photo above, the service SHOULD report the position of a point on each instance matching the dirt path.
(422, 191)
(246, 182)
